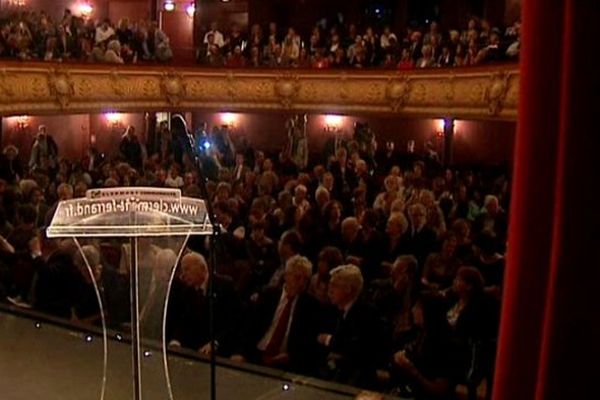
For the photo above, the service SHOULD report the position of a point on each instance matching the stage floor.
(39, 360)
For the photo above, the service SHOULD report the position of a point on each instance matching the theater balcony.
(482, 93)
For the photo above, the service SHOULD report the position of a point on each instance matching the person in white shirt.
(218, 36)
(104, 31)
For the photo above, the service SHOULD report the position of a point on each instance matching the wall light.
(19, 123)
(114, 119)
(86, 9)
(333, 123)
(169, 5)
(190, 10)
(229, 119)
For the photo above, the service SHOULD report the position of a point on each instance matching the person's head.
(300, 193)
(289, 244)
(332, 210)
(433, 27)
(214, 26)
(322, 196)
(10, 152)
(239, 159)
(491, 204)
(427, 198)
(350, 228)
(427, 51)
(403, 273)
(194, 270)
(361, 167)
(418, 215)
(298, 270)
(329, 258)
(462, 229)
(449, 244)
(328, 181)
(42, 130)
(345, 285)
(468, 282)
(258, 231)
(36, 196)
(397, 225)
(88, 256)
(391, 183)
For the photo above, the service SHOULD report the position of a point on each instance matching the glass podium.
(148, 228)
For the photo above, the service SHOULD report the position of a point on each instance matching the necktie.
(274, 345)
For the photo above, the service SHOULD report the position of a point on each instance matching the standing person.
(44, 152)
(11, 169)
(131, 148)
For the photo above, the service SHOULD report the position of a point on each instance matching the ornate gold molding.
(483, 93)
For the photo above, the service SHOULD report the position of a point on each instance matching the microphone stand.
(196, 156)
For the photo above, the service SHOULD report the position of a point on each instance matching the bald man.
(188, 314)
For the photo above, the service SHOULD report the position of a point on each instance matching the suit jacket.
(357, 345)
(420, 244)
(302, 336)
(188, 316)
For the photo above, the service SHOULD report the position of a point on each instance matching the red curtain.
(550, 334)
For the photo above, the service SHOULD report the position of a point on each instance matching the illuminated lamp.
(190, 10)
(169, 5)
(333, 123)
(229, 119)
(86, 9)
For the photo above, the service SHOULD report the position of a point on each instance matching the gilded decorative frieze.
(483, 93)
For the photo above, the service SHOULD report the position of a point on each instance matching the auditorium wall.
(489, 142)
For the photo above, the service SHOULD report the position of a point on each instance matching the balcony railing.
(489, 92)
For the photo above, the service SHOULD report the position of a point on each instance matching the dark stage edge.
(42, 360)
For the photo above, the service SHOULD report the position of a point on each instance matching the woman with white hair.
(113, 53)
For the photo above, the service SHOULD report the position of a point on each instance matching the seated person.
(188, 315)
(425, 367)
(281, 331)
(352, 342)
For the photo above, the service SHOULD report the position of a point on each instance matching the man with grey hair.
(283, 326)
(353, 338)
(188, 315)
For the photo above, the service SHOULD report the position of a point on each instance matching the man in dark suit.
(282, 330)
(353, 342)
(188, 314)
(421, 239)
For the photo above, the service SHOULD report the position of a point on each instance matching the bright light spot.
(147, 353)
(333, 121)
(88, 338)
(119, 337)
(113, 117)
(169, 5)
(285, 387)
(190, 9)
(377, 11)
(86, 9)
(38, 325)
(229, 118)
(440, 125)
(206, 145)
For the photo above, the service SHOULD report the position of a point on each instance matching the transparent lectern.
(144, 231)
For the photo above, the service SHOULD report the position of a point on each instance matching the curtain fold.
(550, 332)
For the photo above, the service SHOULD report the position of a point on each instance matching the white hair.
(351, 276)
(299, 264)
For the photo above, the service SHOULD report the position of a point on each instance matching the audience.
(35, 35)
(377, 269)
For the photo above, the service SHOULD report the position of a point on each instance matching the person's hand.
(238, 358)
(174, 345)
(278, 360)
(206, 349)
(403, 362)
(324, 339)
(35, 247)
